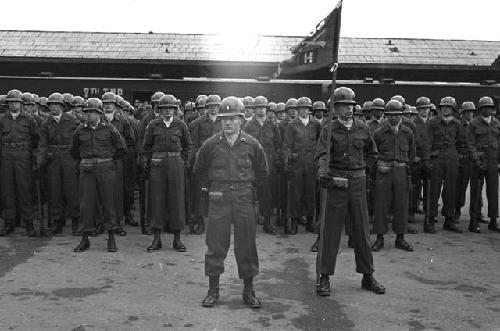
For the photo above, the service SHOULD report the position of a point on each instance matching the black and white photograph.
(250, 165)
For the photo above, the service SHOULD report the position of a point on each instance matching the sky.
(436, 19)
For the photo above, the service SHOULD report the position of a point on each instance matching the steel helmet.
(189, 106)
(467, 106)
(260, 101)
(212, 99)
(14, 95)
(121, 102)
(344, 95)
(423, 102)
(2, 99)
(272, 106)
(358, 110)
(291, 103)
(319, 105)
(248, 102)
(37, 98)
(43, 102)
(200, 101)
(406, 109)
(413, 110)
(109, 97)
(55, 98)
(399, 98)
(378, 103)
(28, 98)
(68, 98)
(485, 102)
(448, 101)
(367, 105)
(433, 107)
(155, 98)
(304, 102)
(93, 104)
(280, 107)
(78, 101)
(168, 101)
(231, 106)
(394, 107)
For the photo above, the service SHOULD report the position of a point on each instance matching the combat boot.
(57, 228)
(145, 229)
(201, 225)
(450, 225)
(369, 283)
(30, 229)
(120, 231)
(378, 244)
(84, 244)
(429, 226)
(310, 226)
(493, 226)
(323, 285)
(212, 296)
(474, 226)
(156, 244)
(111, 242)
(294, 229)
(99, 229)
(129, 219)
(74, 227)
(402, 244)
(248, 295)
(192, 226)
(7, 228)
(268, 227)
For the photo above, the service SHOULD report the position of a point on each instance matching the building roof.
(207, 47)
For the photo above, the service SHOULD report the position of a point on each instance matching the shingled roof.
(206, 47)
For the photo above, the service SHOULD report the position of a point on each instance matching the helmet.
(155, 98)
(304, 102)
(399, 98)
(36, 98)
(367, 105)
(43, 101)
(485, 102)
(260, 101)
(248, 102)
(378, 103)
(319, 105)
(2, 99)
(189, 106)
(55, 98)
(14, 95)
(280, 107)
(358, 110)
(200, 101)
(448, 101)
(413, 110)
(291, 103)
(272, 106)
(433, 107)
(109, 97)
(78, 101)
(121, 102)
(394, 107)
(406, 109)
(423, 102)
(168, 101)
(93, 104)
(68, 98)
(212, 99)
(28, 98)
(344, 95)
(231, 106)
(467, 105)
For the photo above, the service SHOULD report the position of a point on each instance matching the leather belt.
(95, 160)
(162, 155)
(230, 185)
(391, 163)
(60, 147)
(16, 145)
(347, 173)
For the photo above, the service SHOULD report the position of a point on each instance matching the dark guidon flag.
(315, 51)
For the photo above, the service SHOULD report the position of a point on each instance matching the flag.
(314, 53)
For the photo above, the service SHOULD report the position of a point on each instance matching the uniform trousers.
(303, 186)
(444, 175)
(490, 175)
(62, 175)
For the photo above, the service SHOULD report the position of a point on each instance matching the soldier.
(443, 134)
(231, 164)
(291, 108)
(319, 110)
(95, 145)
(189, 112)
(280, 112)
(283, 177)
(248, 103)
(112, 115)
(271, 111)
(200, 104)
(200, 130)
(301, 136)
(377, 111)
(30, 108)
(78, 102)
(367, 111)
(166, 149)
(358, 113)
(145, 214)
(420, 167)
(62, 178)
(69, 100)
(343, 175)
(464, 157)
(44, 109)
(268, 134)
(3, 107)
(130, 167)
(396, 149)
(483, 139)
(19, 136)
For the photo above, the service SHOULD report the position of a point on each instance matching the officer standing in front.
(19, 135)
(483, 140)
(344, 178)
(166, 151)
(96, 144)
(231, 164)
(396, 149)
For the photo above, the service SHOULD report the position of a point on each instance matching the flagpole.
(335, 65)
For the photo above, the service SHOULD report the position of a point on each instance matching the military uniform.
(19, 138)
(464, 169)
(419, 172)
